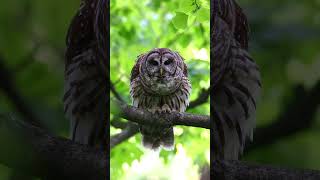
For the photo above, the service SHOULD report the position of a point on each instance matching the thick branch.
(131, 131)
(237, 170)
(166, 119)
(30, 150)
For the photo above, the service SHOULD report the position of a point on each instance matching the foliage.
(138, 26)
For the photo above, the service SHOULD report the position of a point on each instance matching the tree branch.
(201, 99)
(237, 170)
(117, 123)
(297, 116)
(131, 129)
(166, 119)
(34, 152)
(115, 92)
(125, 134)
(8, 87)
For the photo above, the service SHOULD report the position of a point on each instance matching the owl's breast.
(155, 93)
(161, 86)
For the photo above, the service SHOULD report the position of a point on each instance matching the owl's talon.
(152, 110)
(157, 110)
(166, 109)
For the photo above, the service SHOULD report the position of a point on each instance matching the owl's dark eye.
(169, 61)
(153, 62)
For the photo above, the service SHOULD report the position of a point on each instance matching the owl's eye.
(153, 62)
(169, 61)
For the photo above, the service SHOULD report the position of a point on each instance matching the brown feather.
(142, 89)
(236, 81)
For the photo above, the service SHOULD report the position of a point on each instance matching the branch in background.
(296, 117)
(30, 150)
(117, 123)
(141, 116)
(237, 170)
(129, 129)
(27, 60)
(8, 87)
(125, 134)
(115, 92)
(201, 99)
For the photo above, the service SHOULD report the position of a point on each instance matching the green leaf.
(180, 20)
(185, 40)
(203, 15)
(186, 6)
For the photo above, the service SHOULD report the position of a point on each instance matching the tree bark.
(166, 119)
(237, 170)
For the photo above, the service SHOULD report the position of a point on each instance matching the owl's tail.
(154, 137)
(235, 107)
(89, 127)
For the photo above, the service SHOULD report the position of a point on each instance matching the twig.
(115, 92)
(117, 123)
(8, 87)
(201, 99)
(125, 134)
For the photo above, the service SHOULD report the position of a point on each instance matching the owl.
(159, 83)
(236, 81)
(85, 95)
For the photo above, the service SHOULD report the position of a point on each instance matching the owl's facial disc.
(168, 64)
(153, 63)
(161, 65)
(161, 70)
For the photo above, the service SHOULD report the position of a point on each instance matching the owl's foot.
(166, 109)
(155, 110)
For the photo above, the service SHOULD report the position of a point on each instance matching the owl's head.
(161, 63)
(161, 70)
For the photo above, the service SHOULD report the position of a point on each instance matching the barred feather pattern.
(236, 81)
(154, 136)
(86, 74)
(232, 14)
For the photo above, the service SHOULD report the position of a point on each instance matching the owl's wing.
(236, 87)
(184, 65)
(135, 71)
(85, 94)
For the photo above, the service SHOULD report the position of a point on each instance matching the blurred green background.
(284, 41)
(138, 26)
(32, 45)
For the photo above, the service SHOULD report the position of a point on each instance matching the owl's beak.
(161, 71)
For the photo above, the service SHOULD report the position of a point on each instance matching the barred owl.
(85, 97)
(159, 83)
(236, 80)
